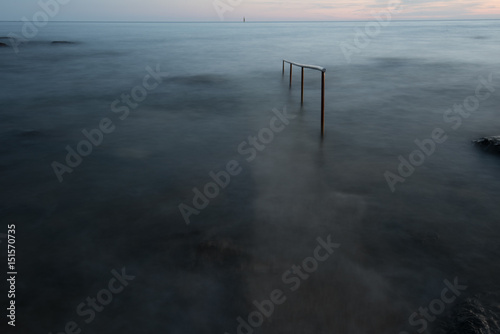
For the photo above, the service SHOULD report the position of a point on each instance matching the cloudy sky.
(253, 10)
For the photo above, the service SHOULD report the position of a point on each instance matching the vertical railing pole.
(322, 103)
(290, 75)
(302, 88)
(283, 73)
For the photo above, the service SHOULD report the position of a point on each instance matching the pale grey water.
(119, 208)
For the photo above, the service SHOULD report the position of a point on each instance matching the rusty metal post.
(302, 88)
(322, 103)
(290, 75)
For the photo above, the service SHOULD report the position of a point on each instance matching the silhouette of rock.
(3, 45)
(30, 133)
(472, 316)
(62, 42)
(220, 252)
(490, 144)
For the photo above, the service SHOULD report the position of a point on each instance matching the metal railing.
(313, 67)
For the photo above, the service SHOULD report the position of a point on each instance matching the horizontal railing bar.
(313, 67)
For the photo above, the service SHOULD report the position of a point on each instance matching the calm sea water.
(120, 206)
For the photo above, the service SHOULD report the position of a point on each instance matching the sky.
(253, 10)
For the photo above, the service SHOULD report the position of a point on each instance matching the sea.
(167, 178)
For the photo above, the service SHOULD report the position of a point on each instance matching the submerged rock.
(491, 144)
(30, 133)
(473, 316)
(222, 252)
(62, 42)
(3, 45)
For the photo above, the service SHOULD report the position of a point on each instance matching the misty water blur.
(120, 206)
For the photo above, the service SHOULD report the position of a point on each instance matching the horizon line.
(264, 21)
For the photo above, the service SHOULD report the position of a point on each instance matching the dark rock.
(473, 316)
(30, 133)
(220, 252)
(3, 45)
(490, 144)
(62, 42)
